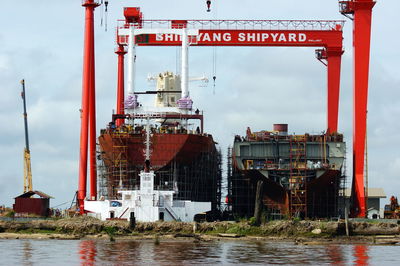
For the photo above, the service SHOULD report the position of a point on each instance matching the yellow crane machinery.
(27, 153)
(392, 210)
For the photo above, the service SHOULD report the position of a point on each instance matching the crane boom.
(27, 153)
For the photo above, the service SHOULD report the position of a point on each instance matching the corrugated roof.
(35, 192)
(372, 193)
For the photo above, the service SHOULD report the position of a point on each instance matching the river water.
(172, 252)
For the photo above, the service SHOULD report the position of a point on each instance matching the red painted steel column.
(120, 86)
(361, 43)
(86, 84)
(92, 119)
(334, 59)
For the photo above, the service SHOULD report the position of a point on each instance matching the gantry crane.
(27, 153)
(301, 33)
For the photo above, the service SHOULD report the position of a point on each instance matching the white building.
(373, 203)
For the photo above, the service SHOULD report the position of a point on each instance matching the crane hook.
(208, 2)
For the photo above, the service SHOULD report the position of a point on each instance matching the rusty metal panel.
(32, 206)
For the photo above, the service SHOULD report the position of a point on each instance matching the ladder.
(298, 176)
(119, 167)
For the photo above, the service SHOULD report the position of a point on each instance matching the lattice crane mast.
(27, 153)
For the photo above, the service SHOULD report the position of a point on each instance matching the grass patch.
(10, 214)
(36, 231)
(238, 228)
(110, 230)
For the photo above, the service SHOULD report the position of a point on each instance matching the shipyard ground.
(302, 232)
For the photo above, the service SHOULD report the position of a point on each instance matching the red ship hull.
(189, 164)
(164, 147)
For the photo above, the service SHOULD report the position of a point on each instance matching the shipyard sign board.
(245, 38)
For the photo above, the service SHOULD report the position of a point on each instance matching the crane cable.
(104, 12)
(214, 55)
(101, 14)
(214, 67)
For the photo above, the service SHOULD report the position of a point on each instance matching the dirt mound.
(81, 226)
(365, 228)
(164, 227)
(88, 225)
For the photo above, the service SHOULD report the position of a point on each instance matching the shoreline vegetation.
(299, 231)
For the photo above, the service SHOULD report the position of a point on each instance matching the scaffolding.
(298, 176)
(115, 172)
(229, 174)
(197, 179)
(302, 176)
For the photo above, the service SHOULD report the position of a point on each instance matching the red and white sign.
(247, 38)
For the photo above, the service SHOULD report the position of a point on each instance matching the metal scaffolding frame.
(291, 172)
(197, 180)
(298, 176)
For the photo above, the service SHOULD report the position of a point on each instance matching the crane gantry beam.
(296, 33)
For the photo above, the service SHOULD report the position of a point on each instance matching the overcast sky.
(42, 42)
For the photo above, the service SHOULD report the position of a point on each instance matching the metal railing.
(242, 24)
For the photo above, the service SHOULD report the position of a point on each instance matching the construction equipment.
(27, 153)
(392, 210)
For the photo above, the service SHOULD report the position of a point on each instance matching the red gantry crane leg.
(334, 59)
(362, 16)
(120, 86)
(87, 99)
(92, 121)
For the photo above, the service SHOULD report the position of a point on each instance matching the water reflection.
(170, 252)
(335, 254)
(146, 251)
(361, 254)
(187, 252)
(87, 252)
(27, 253)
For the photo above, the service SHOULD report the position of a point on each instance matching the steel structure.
(297, 33)
(298, 175)
(302, 174)
(88, 109)
(360, 11)
(301, 33)
(120, 51)
(27, 152)
(134, 31)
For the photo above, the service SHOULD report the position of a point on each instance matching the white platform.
(147, 204)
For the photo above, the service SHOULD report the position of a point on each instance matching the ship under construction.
(184, 158)
(302, 175)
